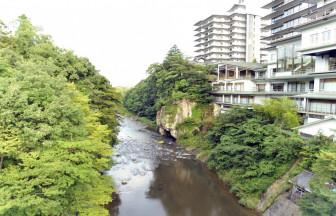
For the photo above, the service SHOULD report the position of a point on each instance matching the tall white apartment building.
(234, 36)
(301, 64)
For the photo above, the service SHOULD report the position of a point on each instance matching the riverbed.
(155, 177)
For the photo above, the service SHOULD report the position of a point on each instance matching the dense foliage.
(251, 151)
(283, 111)
(174, 79)
(58, 119)
(322, 200)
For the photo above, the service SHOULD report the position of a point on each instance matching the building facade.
(234, 36)
(301, 61)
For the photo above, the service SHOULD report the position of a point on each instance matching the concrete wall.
(307, 42)
(326, 128)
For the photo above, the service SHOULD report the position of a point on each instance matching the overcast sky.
(121, 37)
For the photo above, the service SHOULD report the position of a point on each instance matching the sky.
(120, 37)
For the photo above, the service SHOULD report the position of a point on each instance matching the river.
(155, 179)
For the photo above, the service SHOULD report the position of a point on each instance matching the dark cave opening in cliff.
(169, 136)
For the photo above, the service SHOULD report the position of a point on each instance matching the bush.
(251, 150)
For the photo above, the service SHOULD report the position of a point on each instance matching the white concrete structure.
(301, 62)
(302, 54)
(234, 36)
(325, 127)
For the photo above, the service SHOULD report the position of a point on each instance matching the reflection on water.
(160, 180)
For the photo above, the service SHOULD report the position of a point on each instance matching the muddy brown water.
(152, 179)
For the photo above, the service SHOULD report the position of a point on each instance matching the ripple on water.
(162, 180)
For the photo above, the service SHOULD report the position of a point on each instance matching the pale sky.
(120, 37)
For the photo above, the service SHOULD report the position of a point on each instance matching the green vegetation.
(282, 111)
(192, 132)
(57, 125)
(173, 80)
(322, 201)
(251, 150)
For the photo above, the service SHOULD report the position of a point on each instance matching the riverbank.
(196, 128)
(151, 125)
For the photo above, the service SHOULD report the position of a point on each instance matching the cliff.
(168, 117)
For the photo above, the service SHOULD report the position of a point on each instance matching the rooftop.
(302, 180)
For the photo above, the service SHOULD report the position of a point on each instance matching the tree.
(25, 36)
(282, 110)
(173, 80)
(250, 151)
(57, 118)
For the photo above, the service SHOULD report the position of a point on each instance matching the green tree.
(250, 151)
(173, 80)
(57, 118)
(282, 110)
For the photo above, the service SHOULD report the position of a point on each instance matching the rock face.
(167, 120)
(216, 109)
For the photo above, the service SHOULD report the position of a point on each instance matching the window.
(219, 99)
(261, 75)
(273, 57)
(332, 63)
(299, 104)
(314, 38)
(311, 86)
(227, 99)
(261, 87)
(278, 87)
(229, 87)
(321, 106)
(326, 36)
(239, 87)
(296, 87)
(316, 116)
(328, 85)
(281, 59)
(308, 63)
(235, 99)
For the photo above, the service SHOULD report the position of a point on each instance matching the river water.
(162, 179)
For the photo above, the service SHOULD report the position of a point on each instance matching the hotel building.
(234, 36)
(301, 62)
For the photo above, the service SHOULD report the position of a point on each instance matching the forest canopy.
(174, 79)
(57, 127)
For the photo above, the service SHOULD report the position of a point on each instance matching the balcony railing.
(328, 12)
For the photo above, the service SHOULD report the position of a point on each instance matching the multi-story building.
(301, 63)
(318, 42)
(234, 36)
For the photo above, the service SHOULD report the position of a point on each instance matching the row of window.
(322, 37)
(291, 11)
(322, 106)
(326, 85)
(316, 106)
(291, 23)
(288, 59)
(235, 99)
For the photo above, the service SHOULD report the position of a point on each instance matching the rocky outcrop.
(168, 117)
(216, 109)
